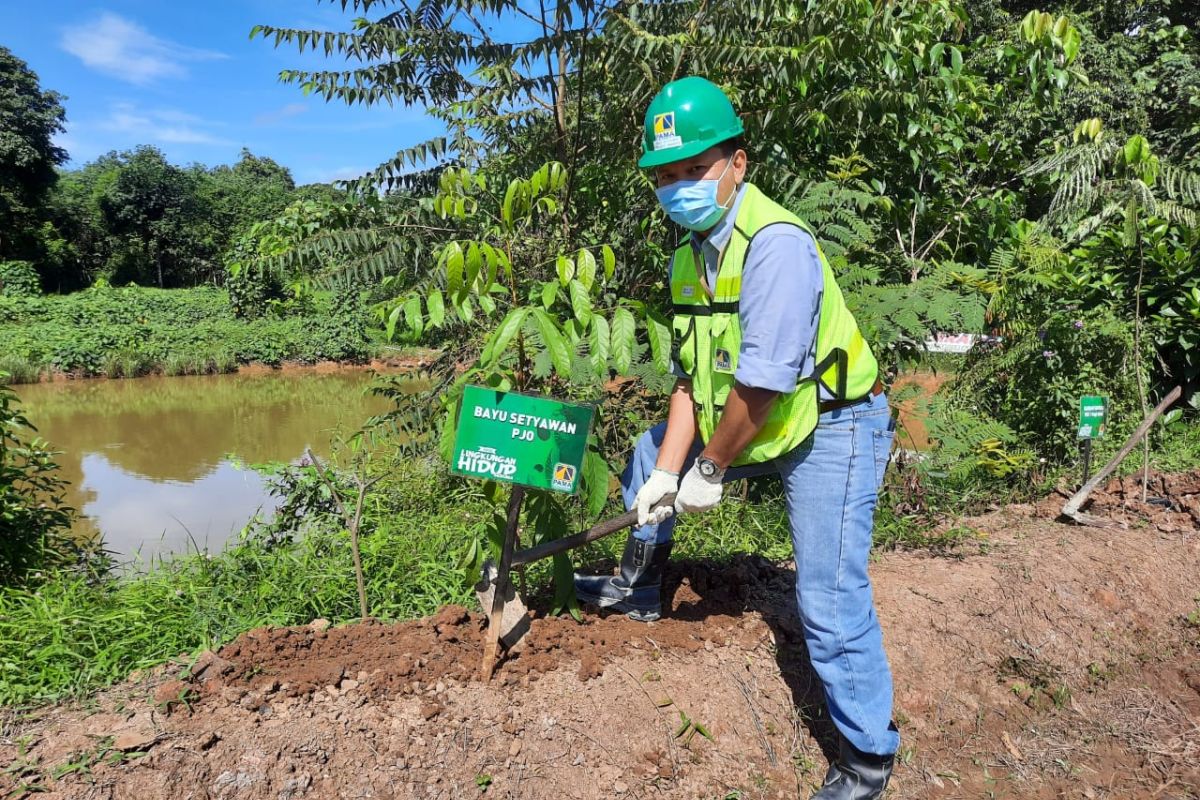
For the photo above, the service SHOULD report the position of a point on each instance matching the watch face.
(707, 468)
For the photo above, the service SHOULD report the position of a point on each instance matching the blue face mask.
(693, 204)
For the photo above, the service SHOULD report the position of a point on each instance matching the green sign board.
(1093, 417)
(518, 438)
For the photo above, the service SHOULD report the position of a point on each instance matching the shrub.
(33, 519)
(1033, 383)
(19, 279)
(134, 331)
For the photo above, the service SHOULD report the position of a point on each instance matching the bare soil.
(913, 434)
(1040, 660)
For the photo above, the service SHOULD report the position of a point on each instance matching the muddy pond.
(160, 465)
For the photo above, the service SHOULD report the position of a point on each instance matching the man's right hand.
(654, 491)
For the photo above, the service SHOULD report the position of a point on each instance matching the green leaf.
(623, 335)
(474, 262)
(565, 268)
(437, 308)
(464, 307)
(509, 327)
(454, 267)
(599, 345)
(392, 319)
(935, 54)
(595, 480)
(560, 354)
(549, 294)
(585, 268)
(1071, 43)
(564, 587)
(610, 262)
(581, 302)
(956, 60)
(412, 314)
(659, 332)
(1137, 150)
(501, 259)
(506, 208)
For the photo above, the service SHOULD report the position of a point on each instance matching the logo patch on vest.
(664, 132)
(722, 362)
(688, 291)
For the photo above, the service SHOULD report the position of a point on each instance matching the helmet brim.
(656, 158)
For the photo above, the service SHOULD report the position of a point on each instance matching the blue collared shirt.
(780, 301)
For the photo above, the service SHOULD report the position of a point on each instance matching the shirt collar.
(720, 234)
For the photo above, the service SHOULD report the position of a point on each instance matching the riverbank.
(135, 331)
(387, 359)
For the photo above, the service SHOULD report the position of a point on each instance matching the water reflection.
(132, 511)
(152, 459)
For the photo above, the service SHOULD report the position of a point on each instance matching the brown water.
(158, 465)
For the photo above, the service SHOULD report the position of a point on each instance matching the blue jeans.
(830, 483)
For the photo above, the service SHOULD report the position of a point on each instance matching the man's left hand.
(697, 493)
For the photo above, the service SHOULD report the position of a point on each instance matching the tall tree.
(29, 119)
(254, 189)
(154, 207)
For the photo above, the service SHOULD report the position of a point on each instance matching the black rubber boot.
(637, 589)
(855, 775)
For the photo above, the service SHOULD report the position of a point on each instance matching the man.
(773, 376)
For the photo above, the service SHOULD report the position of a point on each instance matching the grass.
(1177, 446)
(20, 369)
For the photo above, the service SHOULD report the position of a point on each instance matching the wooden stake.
(490, 650)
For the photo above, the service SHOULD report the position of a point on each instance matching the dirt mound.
(387, 660)
(1172, 501)
(1041, 661)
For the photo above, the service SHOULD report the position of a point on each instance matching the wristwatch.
(709, 468)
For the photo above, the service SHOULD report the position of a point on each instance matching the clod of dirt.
(209, 665)
(136, 739)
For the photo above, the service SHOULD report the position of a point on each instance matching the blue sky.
(186, 78)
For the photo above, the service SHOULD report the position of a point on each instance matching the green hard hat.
(686, 117)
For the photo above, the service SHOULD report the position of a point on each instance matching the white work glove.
(660, 484)
(697, 493)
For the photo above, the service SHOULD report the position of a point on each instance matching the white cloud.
(160, 125)
(280, 114)
(125, 50)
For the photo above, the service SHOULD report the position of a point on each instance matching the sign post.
(1093, 420)
(526, 441)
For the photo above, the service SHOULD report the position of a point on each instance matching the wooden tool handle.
(492, 644)
(551, 548)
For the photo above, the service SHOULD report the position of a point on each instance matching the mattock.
(502, 585)
(508, 618)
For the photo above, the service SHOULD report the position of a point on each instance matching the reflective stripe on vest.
(708, 336)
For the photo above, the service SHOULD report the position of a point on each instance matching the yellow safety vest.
(708, 334)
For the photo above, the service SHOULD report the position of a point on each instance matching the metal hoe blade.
(514, 619)
(508, 621)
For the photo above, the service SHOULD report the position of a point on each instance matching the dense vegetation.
(1029, 172)
(133, 331)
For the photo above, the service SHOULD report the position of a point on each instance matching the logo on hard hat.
(664, 132)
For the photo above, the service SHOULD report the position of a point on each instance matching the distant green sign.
(1093, 417)
(517, 438)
